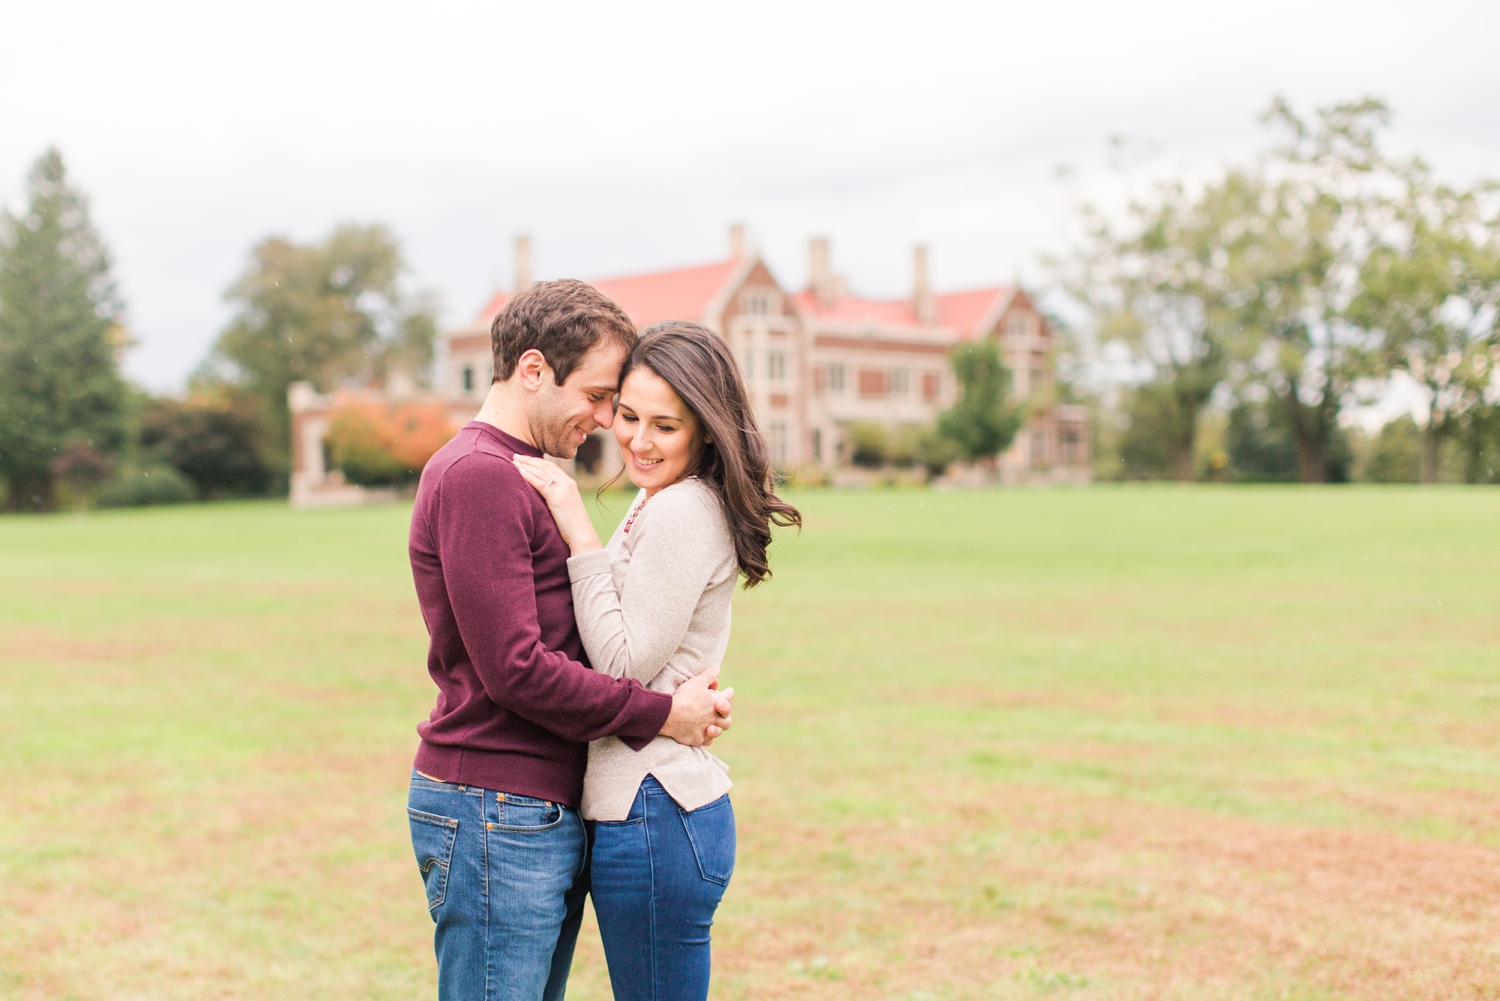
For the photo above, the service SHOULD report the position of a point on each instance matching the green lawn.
(1121, 742)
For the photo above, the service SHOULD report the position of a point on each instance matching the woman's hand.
(561, 494)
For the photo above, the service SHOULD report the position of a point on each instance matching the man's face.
(562, 416)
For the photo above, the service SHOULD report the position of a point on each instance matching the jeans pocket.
(525, 814)
(432, 837)
(710, 830)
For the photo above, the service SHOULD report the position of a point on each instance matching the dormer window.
(758, 302)
(1018, 325)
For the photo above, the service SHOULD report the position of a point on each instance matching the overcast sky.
(627, 136)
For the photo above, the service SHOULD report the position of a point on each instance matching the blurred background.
(1184, 733)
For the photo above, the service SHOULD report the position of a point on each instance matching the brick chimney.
(921, 292)
(820, 279)
(737, 241)
(523, 262)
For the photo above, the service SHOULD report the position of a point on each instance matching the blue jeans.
(506, 878)
(658, 876)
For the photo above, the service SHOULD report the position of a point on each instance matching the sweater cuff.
(588, 564)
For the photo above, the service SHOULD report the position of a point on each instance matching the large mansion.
(819, 359)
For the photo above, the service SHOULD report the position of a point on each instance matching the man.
(499, 772)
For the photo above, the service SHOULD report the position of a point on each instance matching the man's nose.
(604, 416)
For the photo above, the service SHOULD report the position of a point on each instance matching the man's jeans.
(658, 878)
(506, 878)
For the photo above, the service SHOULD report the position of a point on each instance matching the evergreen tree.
(980, 423)
(60, 331)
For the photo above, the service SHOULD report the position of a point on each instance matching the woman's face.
(659, 438)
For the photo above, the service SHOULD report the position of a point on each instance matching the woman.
(654, 605)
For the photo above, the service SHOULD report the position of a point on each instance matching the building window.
(874, 382)
(758, 302)
(1018, 325)
(1038, 450)
(781, 443)
(817, 444)
(932, 386)
(749, 364)
(776, 366)
(900, 381)
(468, 378)
(831, 378)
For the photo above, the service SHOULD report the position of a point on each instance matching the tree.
(60, 331)
(1158, 286)
(1262, 447)
(331, 312)
(1296, 270)
(1430, 291)
(981, 424)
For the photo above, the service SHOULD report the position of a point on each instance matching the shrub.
(158, 484)
(906, 443)
(214, 443)
(869, 444)
(1396, 456)
(82, 469)
(935, 452)
(378, 445)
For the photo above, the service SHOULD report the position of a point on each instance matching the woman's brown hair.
(699, 367)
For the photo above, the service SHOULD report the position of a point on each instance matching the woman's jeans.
(506, 878)
(658, 876)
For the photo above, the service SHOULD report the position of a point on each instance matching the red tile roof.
(668, 295)
(682, 294)
(486, 316)
(852, 309)
(960, 310)
(965, 310)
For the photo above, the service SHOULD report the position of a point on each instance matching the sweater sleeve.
(631, 633)
(486, 527)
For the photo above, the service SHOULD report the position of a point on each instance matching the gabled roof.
(681, 294)
(852, 309)
(486, 316)
(972, 314)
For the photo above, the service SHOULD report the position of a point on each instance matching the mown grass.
(1116, 742)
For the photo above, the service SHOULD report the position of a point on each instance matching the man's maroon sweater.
(517, 700)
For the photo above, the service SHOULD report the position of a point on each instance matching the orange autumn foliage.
(381, 444)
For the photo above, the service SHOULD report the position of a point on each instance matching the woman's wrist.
(588, 545)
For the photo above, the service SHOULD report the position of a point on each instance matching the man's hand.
(700, 712)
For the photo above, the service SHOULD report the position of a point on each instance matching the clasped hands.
(700, 712)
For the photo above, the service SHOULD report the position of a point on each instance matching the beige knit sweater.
(654, 605)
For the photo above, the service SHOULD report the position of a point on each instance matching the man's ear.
(532, 367)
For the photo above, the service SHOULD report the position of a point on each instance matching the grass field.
(1140, 742)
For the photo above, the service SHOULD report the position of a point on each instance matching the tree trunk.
(1432, 446)
(1309, 436)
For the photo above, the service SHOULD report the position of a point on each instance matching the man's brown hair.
(563, 320)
